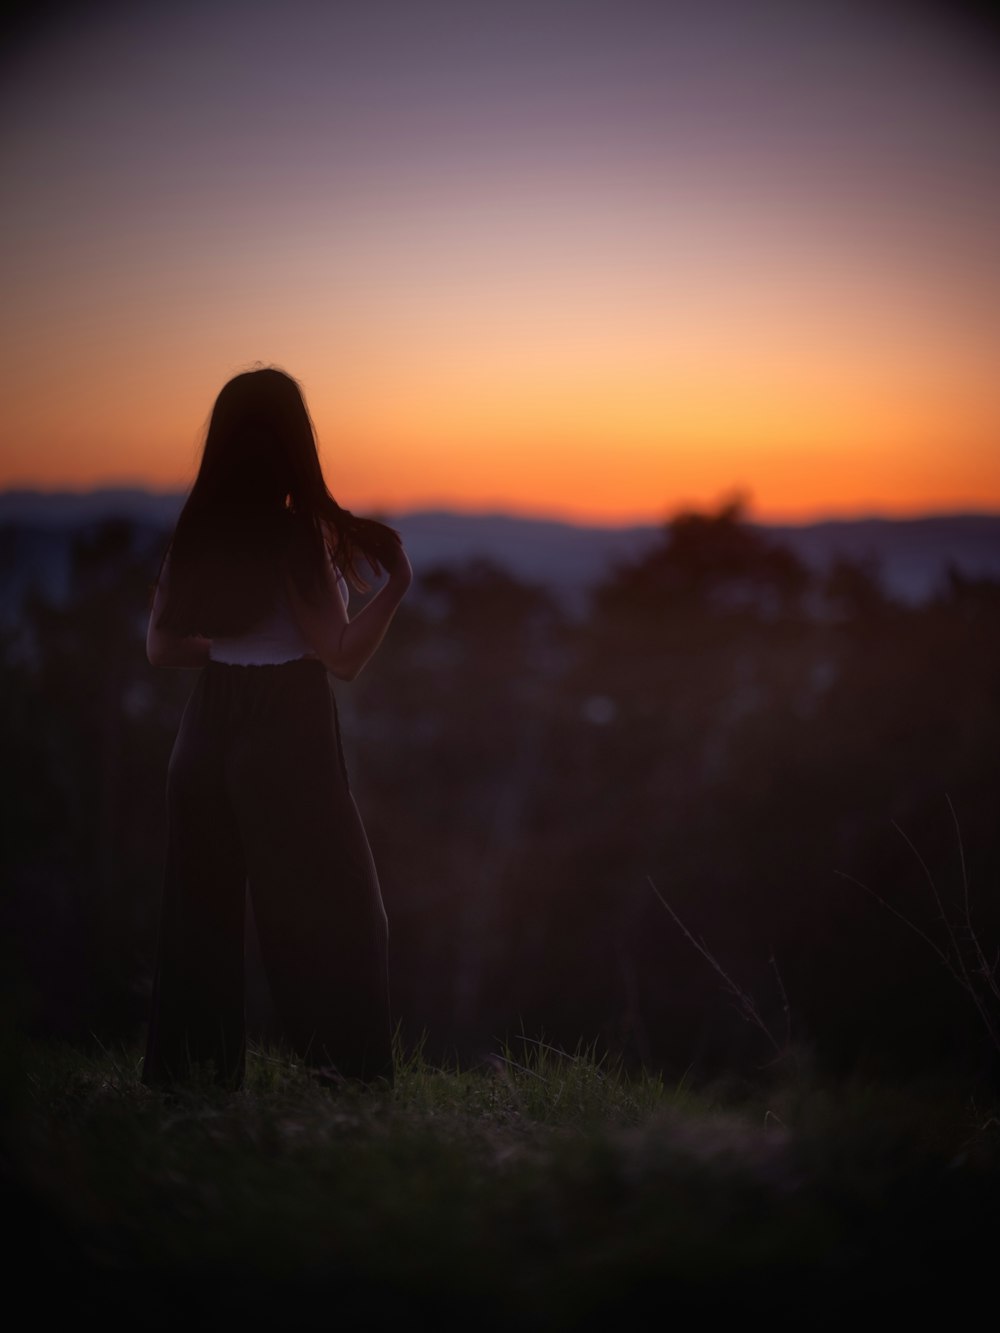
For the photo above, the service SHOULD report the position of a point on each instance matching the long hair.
(259, 508)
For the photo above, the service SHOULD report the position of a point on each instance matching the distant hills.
(911, 554)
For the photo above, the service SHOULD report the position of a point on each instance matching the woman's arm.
(171, 650)
(343, 645)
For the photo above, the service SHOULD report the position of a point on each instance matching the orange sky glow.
(578, 264)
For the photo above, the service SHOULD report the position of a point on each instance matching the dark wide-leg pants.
(258, 797)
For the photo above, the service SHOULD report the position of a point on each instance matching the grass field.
(540, 1190)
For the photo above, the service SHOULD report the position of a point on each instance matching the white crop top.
(272, 641)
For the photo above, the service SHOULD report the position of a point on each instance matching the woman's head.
(260, 447)
(260, 508)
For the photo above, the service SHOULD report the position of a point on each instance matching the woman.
(252, 589)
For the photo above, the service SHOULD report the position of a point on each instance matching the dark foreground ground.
(541, 1190)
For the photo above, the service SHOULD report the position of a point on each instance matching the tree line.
(793, 761)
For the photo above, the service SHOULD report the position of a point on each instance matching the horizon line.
(874, 512)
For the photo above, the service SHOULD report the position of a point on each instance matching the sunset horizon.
(589, 262)
(542, 513)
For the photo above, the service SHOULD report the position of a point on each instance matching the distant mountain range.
(911, 554)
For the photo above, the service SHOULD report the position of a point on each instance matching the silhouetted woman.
(253, 590)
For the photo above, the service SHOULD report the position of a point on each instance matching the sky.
(594, 259)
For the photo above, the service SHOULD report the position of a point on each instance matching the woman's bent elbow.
(164, 651)
(345, 671)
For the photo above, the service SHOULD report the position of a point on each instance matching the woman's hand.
(396, 564)
(384, 554)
